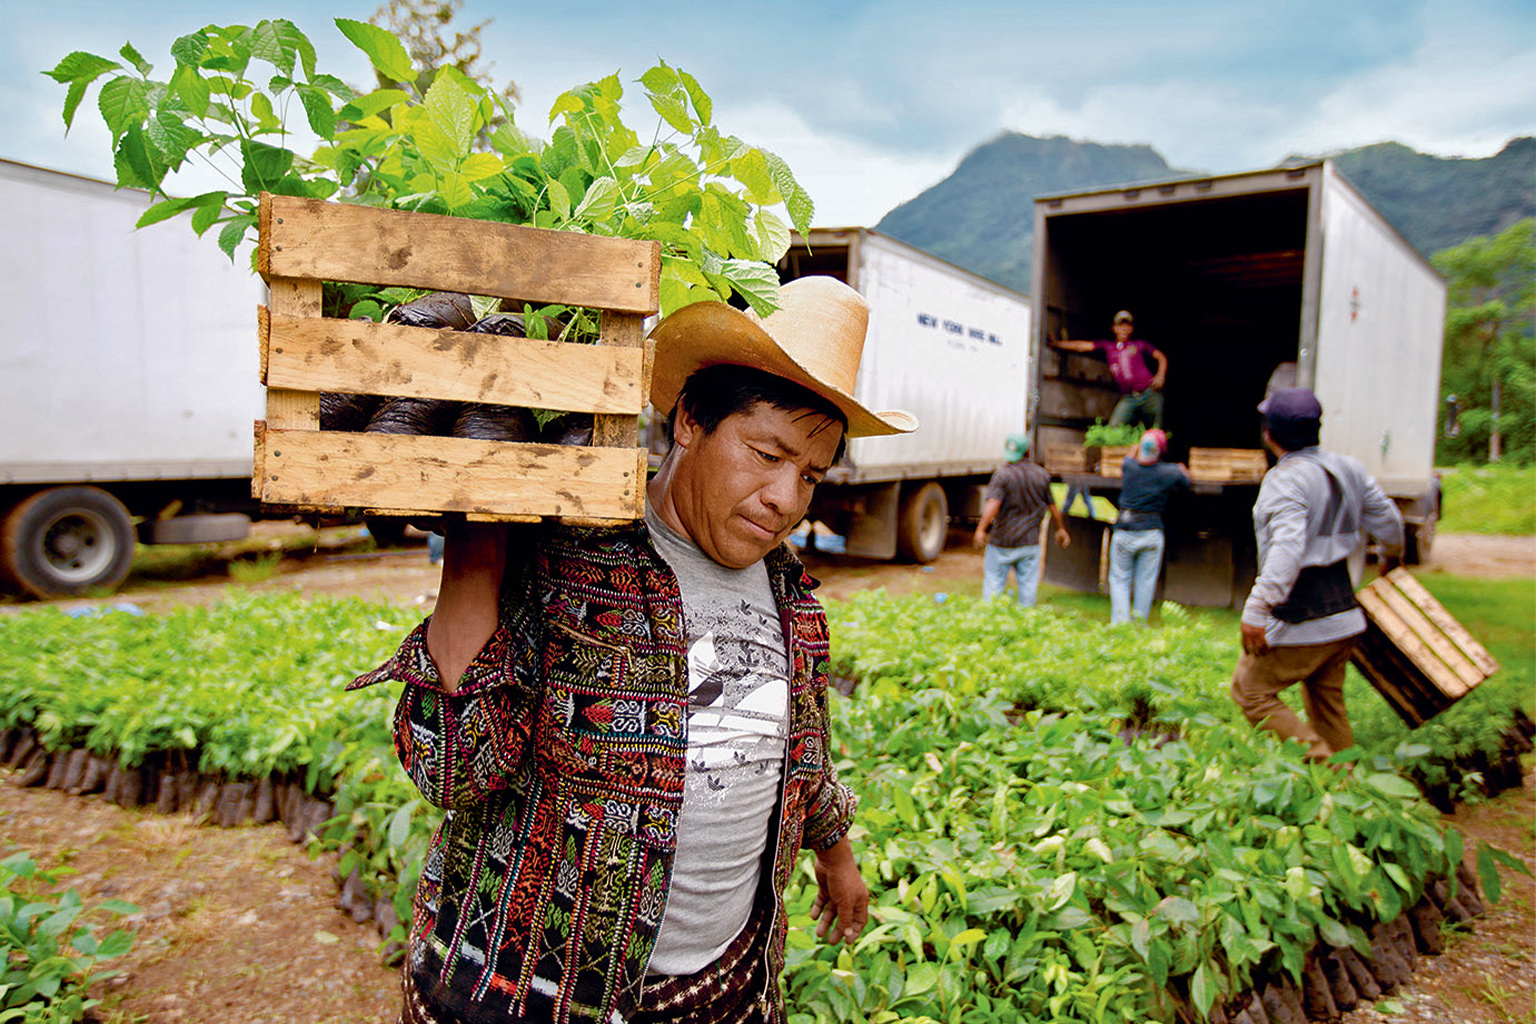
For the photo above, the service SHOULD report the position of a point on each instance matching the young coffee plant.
(233, 94)
(1101, 435)
(50, 954)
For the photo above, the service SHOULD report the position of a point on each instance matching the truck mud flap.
(872, 534)
(1198, 571)
(196, 529)
(1077, 567)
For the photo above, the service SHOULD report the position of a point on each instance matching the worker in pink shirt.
(1141, 388)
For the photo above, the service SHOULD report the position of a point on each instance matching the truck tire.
(66, 541)
(924, 524)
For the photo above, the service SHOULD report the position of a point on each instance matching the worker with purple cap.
(1136, 548)
(1314, 510)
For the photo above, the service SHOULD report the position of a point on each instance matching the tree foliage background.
(425, 28)
(1490, 345)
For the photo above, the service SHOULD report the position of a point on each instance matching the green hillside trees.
(1489, 362)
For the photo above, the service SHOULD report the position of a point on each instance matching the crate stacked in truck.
(1065, 457)
(1110, 458)
(305, 242)
(1419, 658)
(1227, 465)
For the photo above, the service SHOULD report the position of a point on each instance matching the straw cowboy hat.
(814, 338)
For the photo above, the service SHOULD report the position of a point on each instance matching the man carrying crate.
(628, 726)
(1301, 618)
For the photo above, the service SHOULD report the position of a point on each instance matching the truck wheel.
(924, 524)
(1420, 539)
(66, 541)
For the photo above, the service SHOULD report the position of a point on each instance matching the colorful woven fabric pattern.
(560, 759)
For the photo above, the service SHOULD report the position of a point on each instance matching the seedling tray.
(1227, 465)
(304, 242)
(1110, 458)
(1063, 457)
(1416, 655)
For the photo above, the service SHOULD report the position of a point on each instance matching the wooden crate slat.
(400, 471)
(1415, 695)
(286, 408)
(1436, 613)
(1227, 465)
(324, 241)
(1381, 679)
(1414, 648)
(361, 357)
(1064, 457)
(620, 333)
(1110, 457)
(1388, 672)
(1429, 633)
(259, 459)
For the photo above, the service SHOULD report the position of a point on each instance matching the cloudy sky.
(871, 102)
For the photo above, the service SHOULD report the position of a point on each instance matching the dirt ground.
(238, 925)
(338, 563)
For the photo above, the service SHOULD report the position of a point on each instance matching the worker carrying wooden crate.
(1301, 619)
(628, 719)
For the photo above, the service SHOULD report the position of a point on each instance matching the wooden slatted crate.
(1064, 457)
(307, 241)
(1419, 658)
(1110, 457)
(1227, 465)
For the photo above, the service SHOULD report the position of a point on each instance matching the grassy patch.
(262, 567)
(155, 564)
(1488, 499)
(1501, 614)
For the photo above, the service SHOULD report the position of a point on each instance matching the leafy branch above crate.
(708, 198)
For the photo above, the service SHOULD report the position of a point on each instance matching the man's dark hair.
(716, 392)
(1293, 434)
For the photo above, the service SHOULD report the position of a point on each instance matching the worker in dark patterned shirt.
(628, 726)
(1017, 498)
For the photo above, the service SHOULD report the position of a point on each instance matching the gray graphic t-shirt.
(738, 710)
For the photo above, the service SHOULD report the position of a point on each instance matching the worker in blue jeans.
(1136, 549)
(1017, 499)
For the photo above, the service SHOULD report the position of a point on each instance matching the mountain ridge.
(981, 217)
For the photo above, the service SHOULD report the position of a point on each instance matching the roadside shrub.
(49, 953)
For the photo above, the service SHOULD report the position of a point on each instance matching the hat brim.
(712, 333)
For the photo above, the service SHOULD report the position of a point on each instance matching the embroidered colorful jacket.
(560, 760)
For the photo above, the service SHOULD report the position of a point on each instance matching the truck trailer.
(128, 384)
(1246, 282)
(946, 345)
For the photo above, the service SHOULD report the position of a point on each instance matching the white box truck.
(1234, 278)
(128, 383)
(946, 345)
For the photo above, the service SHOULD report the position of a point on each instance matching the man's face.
(1123, 330)
(738, 492)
